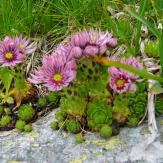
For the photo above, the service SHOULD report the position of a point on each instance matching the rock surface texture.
(43, 145)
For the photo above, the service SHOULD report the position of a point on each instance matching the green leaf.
(6, 77)
(21, 84)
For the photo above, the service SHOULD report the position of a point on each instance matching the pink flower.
(75, 52)
(56, 72)
(113, 71)
(111, 42)
(132, 87)
(120, 83)
(24, 45)
(97, 37)
(9, 52)
(91, 50)
(69, 51)
(80, 39)
(97, 43)
(122, 80)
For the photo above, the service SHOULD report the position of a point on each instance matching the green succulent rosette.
(99, 113)
(73, 106)
(73, 126)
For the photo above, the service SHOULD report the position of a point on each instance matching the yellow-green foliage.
(26, 112)
(5, 120)
(79, 138)
(152, 48)
(20, 125)
(54, 125)
(132, 121)
(28, 128)
(73, 126)
(120, 109)
(1, 110)
(60, 115)
(74, 106)
(53, 98)
(42, 102)
(8, 111)
(106, 131)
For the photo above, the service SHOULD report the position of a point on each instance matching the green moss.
(53, 98)
(54, 125)
(79, 138)
(98, 114)
(28, 128)
(5, 120)
(26, 112)
(73, 126)
(20, 125)
(106, 131)
(42, 102)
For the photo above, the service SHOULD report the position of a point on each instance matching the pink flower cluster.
(87, 44)
(122, 80)
(59, 68)
(13, 50)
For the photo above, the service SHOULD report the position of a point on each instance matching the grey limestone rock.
(43, 145)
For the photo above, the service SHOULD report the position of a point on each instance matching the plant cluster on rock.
(92, 97)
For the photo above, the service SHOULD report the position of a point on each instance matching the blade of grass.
(142, 73)
(145, 22)
(143, 7)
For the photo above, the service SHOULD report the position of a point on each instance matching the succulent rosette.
(99, 113)
(56, 72)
